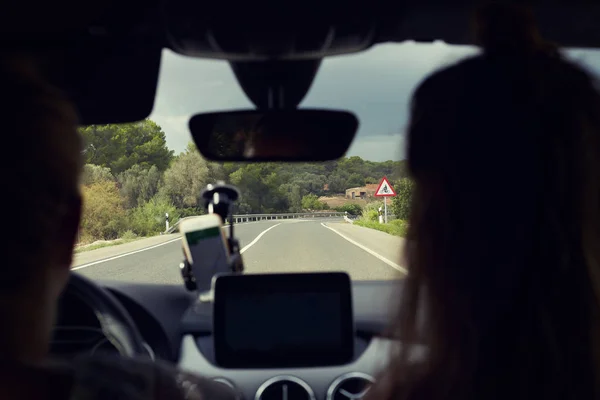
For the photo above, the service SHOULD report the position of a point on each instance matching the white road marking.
(252, 243)
(371, 252)
(170, 241)
(122, 255)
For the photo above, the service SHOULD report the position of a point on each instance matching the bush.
(401, 203)
(396, 227)
(149, 218)
(189, 212)
(370, 215)
(371, 211)
(129, 235)
(103, 214)
(351, 209)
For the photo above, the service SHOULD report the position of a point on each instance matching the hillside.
(337, 201)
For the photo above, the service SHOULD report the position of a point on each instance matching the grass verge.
(107, 243)
(396, 227)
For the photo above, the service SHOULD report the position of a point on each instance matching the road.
(267, 246)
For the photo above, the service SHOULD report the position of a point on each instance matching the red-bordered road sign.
(385, 189)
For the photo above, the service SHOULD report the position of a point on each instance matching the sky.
(376, 85)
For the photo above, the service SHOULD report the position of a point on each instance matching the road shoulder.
(112, 251)
(388, 246)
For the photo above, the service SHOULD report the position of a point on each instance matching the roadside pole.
(167, 221)
(385, 209)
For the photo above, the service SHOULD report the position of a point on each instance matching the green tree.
(355, 180)
(260, 187)
(120, 146)
(216, 172)
(94, 174)
(184, 180)
(338, 182)
(353, 165)
(294, 195)
(310, 183)
(398, 171)
(311, 202)
(139, 185)
(402, 202)
(230, 167)
(103, 214)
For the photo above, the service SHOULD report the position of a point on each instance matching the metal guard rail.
(241, 218)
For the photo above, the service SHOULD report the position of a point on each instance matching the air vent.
(225, 382)
(284, 387)
(229, 384)
(351, 386)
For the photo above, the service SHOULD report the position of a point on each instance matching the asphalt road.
(267, 246)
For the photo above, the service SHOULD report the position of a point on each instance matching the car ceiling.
(106, 54)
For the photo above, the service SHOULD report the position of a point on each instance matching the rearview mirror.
(290, 135)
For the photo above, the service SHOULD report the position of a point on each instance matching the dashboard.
(78, 330)
(183, 335)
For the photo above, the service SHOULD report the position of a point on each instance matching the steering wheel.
(115, 322)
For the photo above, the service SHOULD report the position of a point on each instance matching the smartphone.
(205, 247)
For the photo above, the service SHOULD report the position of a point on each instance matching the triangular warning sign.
(384, 189)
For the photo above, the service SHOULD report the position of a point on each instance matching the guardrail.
(241, 218)
(260, 217)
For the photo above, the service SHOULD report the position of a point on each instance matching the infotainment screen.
(283, 320)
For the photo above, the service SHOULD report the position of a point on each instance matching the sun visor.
(109, 81)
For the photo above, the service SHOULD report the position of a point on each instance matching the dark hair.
(42, 161)
(504, 235)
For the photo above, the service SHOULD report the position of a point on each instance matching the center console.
(285, 336)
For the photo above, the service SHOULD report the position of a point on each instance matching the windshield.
(140, 179)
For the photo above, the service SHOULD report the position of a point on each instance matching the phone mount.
(219, 199)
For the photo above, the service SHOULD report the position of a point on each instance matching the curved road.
(267, 246)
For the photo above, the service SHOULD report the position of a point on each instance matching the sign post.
(385, 209)
(385, 190)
